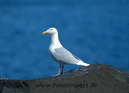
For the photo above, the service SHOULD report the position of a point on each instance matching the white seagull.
(59, 54)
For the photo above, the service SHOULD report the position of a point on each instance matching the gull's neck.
(55, 41)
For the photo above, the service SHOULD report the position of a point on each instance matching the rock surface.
(97, 78)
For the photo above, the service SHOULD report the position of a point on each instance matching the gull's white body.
(58, 53)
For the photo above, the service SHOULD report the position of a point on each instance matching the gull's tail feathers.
(82, 63)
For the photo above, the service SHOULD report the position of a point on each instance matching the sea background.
(96, 31)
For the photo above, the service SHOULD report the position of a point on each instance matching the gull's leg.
(58, 71)
(62, 69)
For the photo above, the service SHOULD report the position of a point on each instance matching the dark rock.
(97, 78)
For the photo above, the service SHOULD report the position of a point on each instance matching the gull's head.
(50, 31)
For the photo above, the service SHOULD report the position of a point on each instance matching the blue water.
(97, 31)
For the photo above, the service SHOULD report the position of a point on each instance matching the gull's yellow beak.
(45, 32)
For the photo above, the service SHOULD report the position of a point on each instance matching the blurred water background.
(96, 31)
